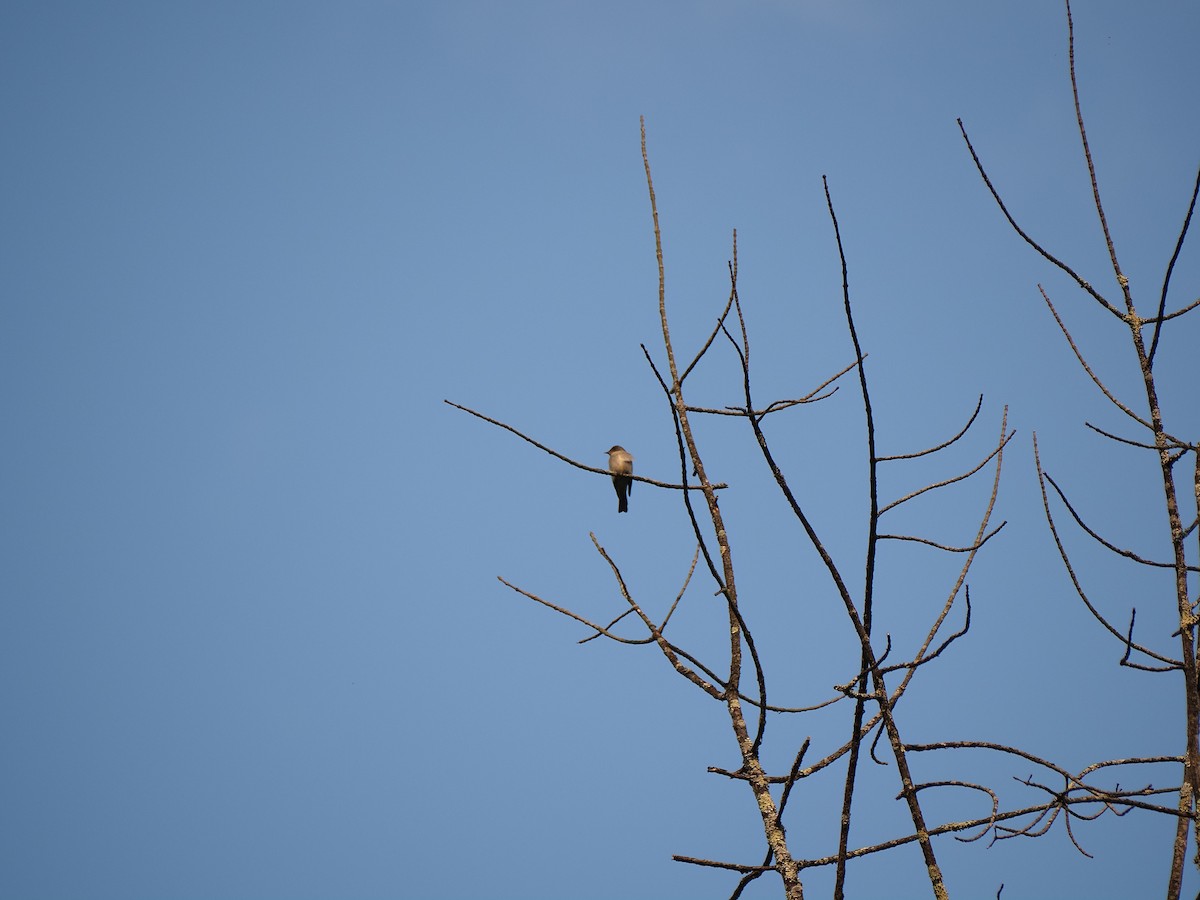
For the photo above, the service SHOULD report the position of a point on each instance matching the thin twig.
(949, 481)
(1162, 300)
(1120, 440)
(1062, 552)
(1091, 167)
(944, 444)
(1126, 661)
(1083, 362)
(946, 547)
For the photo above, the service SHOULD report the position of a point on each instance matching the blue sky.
(252, 640)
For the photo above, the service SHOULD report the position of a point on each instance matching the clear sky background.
(251, 638)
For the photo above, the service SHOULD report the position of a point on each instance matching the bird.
(620, 463)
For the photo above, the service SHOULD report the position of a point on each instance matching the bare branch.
(716, 864)
(708, 343)
(1121, 440)
(1128, 554)
(1087, 155)
(952, 827)
(949, 481)
(1030, 241)
(991, 822)
(921, 658)
(576, 463)
(1125, 661)
(787, 790)
(863, 628)
(944, 444)
(1132, 761)
(1162, 300)
(668, 650)
(599, 629)
(670, 612)
(1095, 379)
(1182, 311)
(779, 405)
(1071, 570)
(946, 547)
(739, 632)
(966, 566)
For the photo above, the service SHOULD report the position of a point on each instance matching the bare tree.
(873, 683)
(872, 701)
(1170, 451)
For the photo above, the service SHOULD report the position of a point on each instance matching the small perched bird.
(620, 463)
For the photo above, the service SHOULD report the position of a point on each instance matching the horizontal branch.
(717, 864)
(1167, 317)
(774, 406)
(1120, 440)
(946, 547)
(576, 463)
(1075, 779)
(948, 828)
(779, 405)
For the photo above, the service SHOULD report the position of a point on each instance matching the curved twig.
(1062, 552)
(1030, 241)
(1125, 660)
(944, 444)
(946, 547)
(1095, 379)
(1127, 554)
(948, 481)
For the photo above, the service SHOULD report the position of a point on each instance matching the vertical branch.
(1162, 300)
(744, 353)
(751, 766)
(868, 656)
(869, 577)
(1087, 153)
(879, 686)
(1189, 798)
